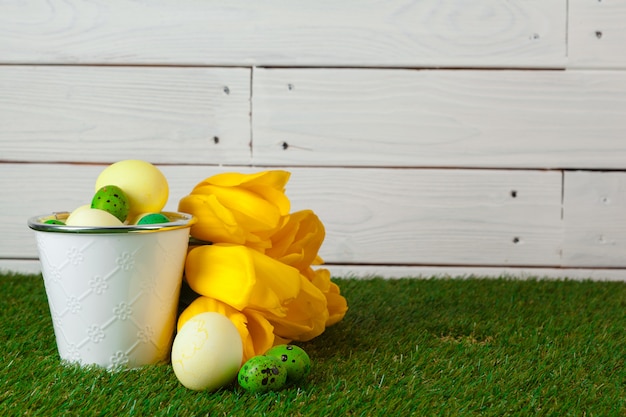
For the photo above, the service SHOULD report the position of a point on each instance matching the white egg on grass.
(207, 352)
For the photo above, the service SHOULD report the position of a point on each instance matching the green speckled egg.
(296, 361)
(112, 199)
(152, 218)
(262, 374)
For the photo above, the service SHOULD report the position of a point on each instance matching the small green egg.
(53, 221)
(153, 218)
(112, 199)
(296, 361)
(262, 374)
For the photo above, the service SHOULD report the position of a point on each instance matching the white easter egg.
(87, 216)
(207, 352)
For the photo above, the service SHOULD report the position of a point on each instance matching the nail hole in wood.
(216, 140)
(285, 145)
(599, 34)
(516, 240)
(226, 90)
(514, 193)
(290, 86)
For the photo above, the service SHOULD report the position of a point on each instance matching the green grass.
(406, 347)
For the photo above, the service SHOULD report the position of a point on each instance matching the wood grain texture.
(375, 216)
(594, 214)
(596, 35)
(105, 114)
(498, 119)
(435, 137)
(393, 33)
(434, 217)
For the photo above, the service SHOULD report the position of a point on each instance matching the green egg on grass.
(152, 218)
(296, 361)
(262, 374)
(113, 200)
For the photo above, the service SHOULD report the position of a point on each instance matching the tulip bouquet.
(256, 266)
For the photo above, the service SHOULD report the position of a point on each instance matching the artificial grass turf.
(406, 347)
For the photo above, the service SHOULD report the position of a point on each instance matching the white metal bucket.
(113, 291)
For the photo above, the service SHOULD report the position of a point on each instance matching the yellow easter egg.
(143, 183)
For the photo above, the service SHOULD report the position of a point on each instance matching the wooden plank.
(378, 216)
(444, 118)
(594, 214)
(434, 217)
(483, 33)
(596, 34)
(467, 272)
(424, 272)
(22, 266)
(104, 114)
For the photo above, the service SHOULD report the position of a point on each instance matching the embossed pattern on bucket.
(113, 296)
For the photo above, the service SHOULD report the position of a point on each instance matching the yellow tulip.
(299, 240)
(306, 315)
(336, 303)
(242, 278)
(257, 334)
(245, 209)
(258, 270)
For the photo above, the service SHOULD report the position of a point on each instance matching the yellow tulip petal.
(215, 222)
(306, 315)
(276, 179)
(298, 242)
(337, 308)
(276, 196)
(261, 334)
(337, 305)
(282, 239)
(242, 277)
(245, 209)
(277, 284)
(252, 211)
(320, 278)
(273, 178)
(223, 272)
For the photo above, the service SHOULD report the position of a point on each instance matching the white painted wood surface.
(597, 34)
(477, 118)
(594, 213)
(472, 118)
(432, 137)
(105, 114)
(393, 33)
(404, 271)
(466, 217)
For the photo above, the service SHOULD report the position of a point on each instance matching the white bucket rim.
(177, 221)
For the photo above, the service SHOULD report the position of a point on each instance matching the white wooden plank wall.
(432, 137)
(354, 33)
